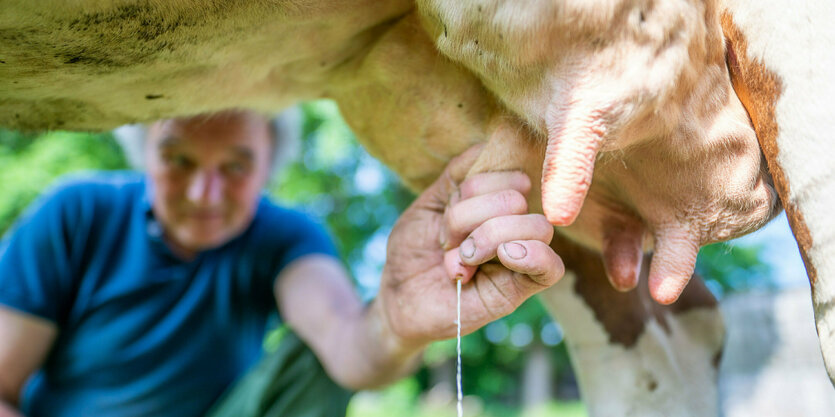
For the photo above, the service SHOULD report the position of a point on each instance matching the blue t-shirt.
(141, 332)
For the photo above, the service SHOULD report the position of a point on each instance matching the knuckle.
(547, 266)
(558, 269)
(468, 188)
(522, 181)
(512, 201)
(538, 266)
(453, 221)
(489, 231)
(506, 295)
(546, 228)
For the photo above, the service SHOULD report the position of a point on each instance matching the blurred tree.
(29, 163)
(728, 267)
(335, 179)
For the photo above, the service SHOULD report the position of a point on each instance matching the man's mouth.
(205, 215)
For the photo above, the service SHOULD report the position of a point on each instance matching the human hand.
(488, 211)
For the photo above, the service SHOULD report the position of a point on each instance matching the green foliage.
(29, 163)
(561, 409)
(403, 400)
(335, 179)
(505, 352)
(733, 268)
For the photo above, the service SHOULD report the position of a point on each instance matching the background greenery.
(333, 178)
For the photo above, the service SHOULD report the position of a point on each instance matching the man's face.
(207, 174)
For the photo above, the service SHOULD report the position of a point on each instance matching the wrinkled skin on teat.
(647, 146)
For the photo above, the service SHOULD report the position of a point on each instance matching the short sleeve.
(309, 237)
(280, 236)
(277, 237)
(36, 259)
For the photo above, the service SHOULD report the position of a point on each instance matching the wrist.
(398, 347)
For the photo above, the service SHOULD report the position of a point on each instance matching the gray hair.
(285, 129)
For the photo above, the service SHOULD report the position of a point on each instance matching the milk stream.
(458, 349)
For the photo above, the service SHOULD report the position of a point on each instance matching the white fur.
(796, 40)
(617, 381)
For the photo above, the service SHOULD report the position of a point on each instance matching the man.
(148, 295)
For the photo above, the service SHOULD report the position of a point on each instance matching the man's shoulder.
(106, 188)
(99, 181)
(88, 190)
(280, 234)
(282, 224)
(273, 214)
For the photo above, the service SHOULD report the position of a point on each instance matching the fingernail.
(468, 248)
(514, 250)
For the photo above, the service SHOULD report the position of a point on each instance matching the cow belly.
(98, 65)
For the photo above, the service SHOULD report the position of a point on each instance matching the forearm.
(6, 410)
(365, 353)
(354, 343)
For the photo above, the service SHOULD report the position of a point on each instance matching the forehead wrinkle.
(243, 152)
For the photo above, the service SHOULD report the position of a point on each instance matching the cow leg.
(781, 68)
(632, 356)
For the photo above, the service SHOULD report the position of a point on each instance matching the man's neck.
(181, 252)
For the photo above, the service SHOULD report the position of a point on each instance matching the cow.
(641, 118)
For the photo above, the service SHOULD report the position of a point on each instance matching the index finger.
(459, 166)
(437, 196)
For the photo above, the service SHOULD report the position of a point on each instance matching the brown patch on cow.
(624, 314)
(759, 89)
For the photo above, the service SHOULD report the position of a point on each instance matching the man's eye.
(178, 161)
(235, 168)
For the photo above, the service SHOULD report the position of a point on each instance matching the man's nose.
(206, 188)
